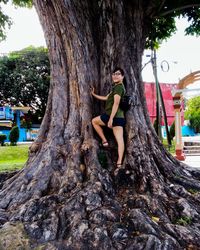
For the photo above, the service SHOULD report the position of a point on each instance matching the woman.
(114, 115)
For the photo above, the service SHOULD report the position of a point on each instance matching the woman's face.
(117, 76)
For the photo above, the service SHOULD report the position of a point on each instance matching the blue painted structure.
(186, 131)
(7, 115)
(22, 134)
(5, 132)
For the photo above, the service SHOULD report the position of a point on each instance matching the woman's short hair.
(118, 69)
(122, 72)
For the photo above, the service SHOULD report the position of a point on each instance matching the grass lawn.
(172, 148)
(13, 157)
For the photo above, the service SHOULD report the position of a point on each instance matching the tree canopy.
(25, 77)
(163, 22)
(162, 18)
(192, 113)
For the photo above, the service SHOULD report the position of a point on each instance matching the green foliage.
(5, 22)
(155, 124)
(26, 122)
(23, 3)
(171, 148)
(184, 221)
(14, 135)
(192, 113)
(161, 29)
(25, 78)
(195, 121)
(193, 191)
(162, 23)
(160, 17)
(2, 139)
(193, 16)
(172, 130)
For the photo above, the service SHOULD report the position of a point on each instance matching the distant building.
(12, 115)
(150, 93)
(6, 116)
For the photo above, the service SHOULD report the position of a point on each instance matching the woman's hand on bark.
(92, 90)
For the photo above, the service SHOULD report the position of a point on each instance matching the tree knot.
(35, 147)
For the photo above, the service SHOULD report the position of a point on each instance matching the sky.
(179, 55)
(26, 29)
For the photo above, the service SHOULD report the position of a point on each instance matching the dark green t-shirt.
(119, 90)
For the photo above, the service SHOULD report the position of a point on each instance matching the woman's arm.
(99, 97)
(114, 109)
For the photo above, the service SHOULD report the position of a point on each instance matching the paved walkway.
(191, 138)
(24, 143)
(193, 161)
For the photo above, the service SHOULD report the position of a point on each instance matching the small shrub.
(192, 113)
(3, 137)
(172, 130)
(193, 191)
(185, 220)
(14, 135)
(155, 125)
(25, 123)
(171, 148)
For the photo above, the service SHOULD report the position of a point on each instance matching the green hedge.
(3, 137)
(14, 135)
(172, 130)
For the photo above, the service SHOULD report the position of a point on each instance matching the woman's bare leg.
(118, 133)
(97, 123)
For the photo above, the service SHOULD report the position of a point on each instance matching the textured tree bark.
(64, 197)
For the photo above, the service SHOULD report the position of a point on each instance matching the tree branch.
(152, 9)
(180, 8)
(161, 5)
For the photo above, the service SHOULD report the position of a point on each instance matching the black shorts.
(116, 120)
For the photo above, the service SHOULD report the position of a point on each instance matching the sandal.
(105, 144)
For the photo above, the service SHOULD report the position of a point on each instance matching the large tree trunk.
(64, 197)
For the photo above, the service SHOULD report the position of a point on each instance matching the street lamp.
(160, 107)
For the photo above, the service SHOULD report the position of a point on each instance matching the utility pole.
(160, 106)
(158, 101)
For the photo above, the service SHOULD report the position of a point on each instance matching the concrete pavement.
(193, 161)
(191, 138)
